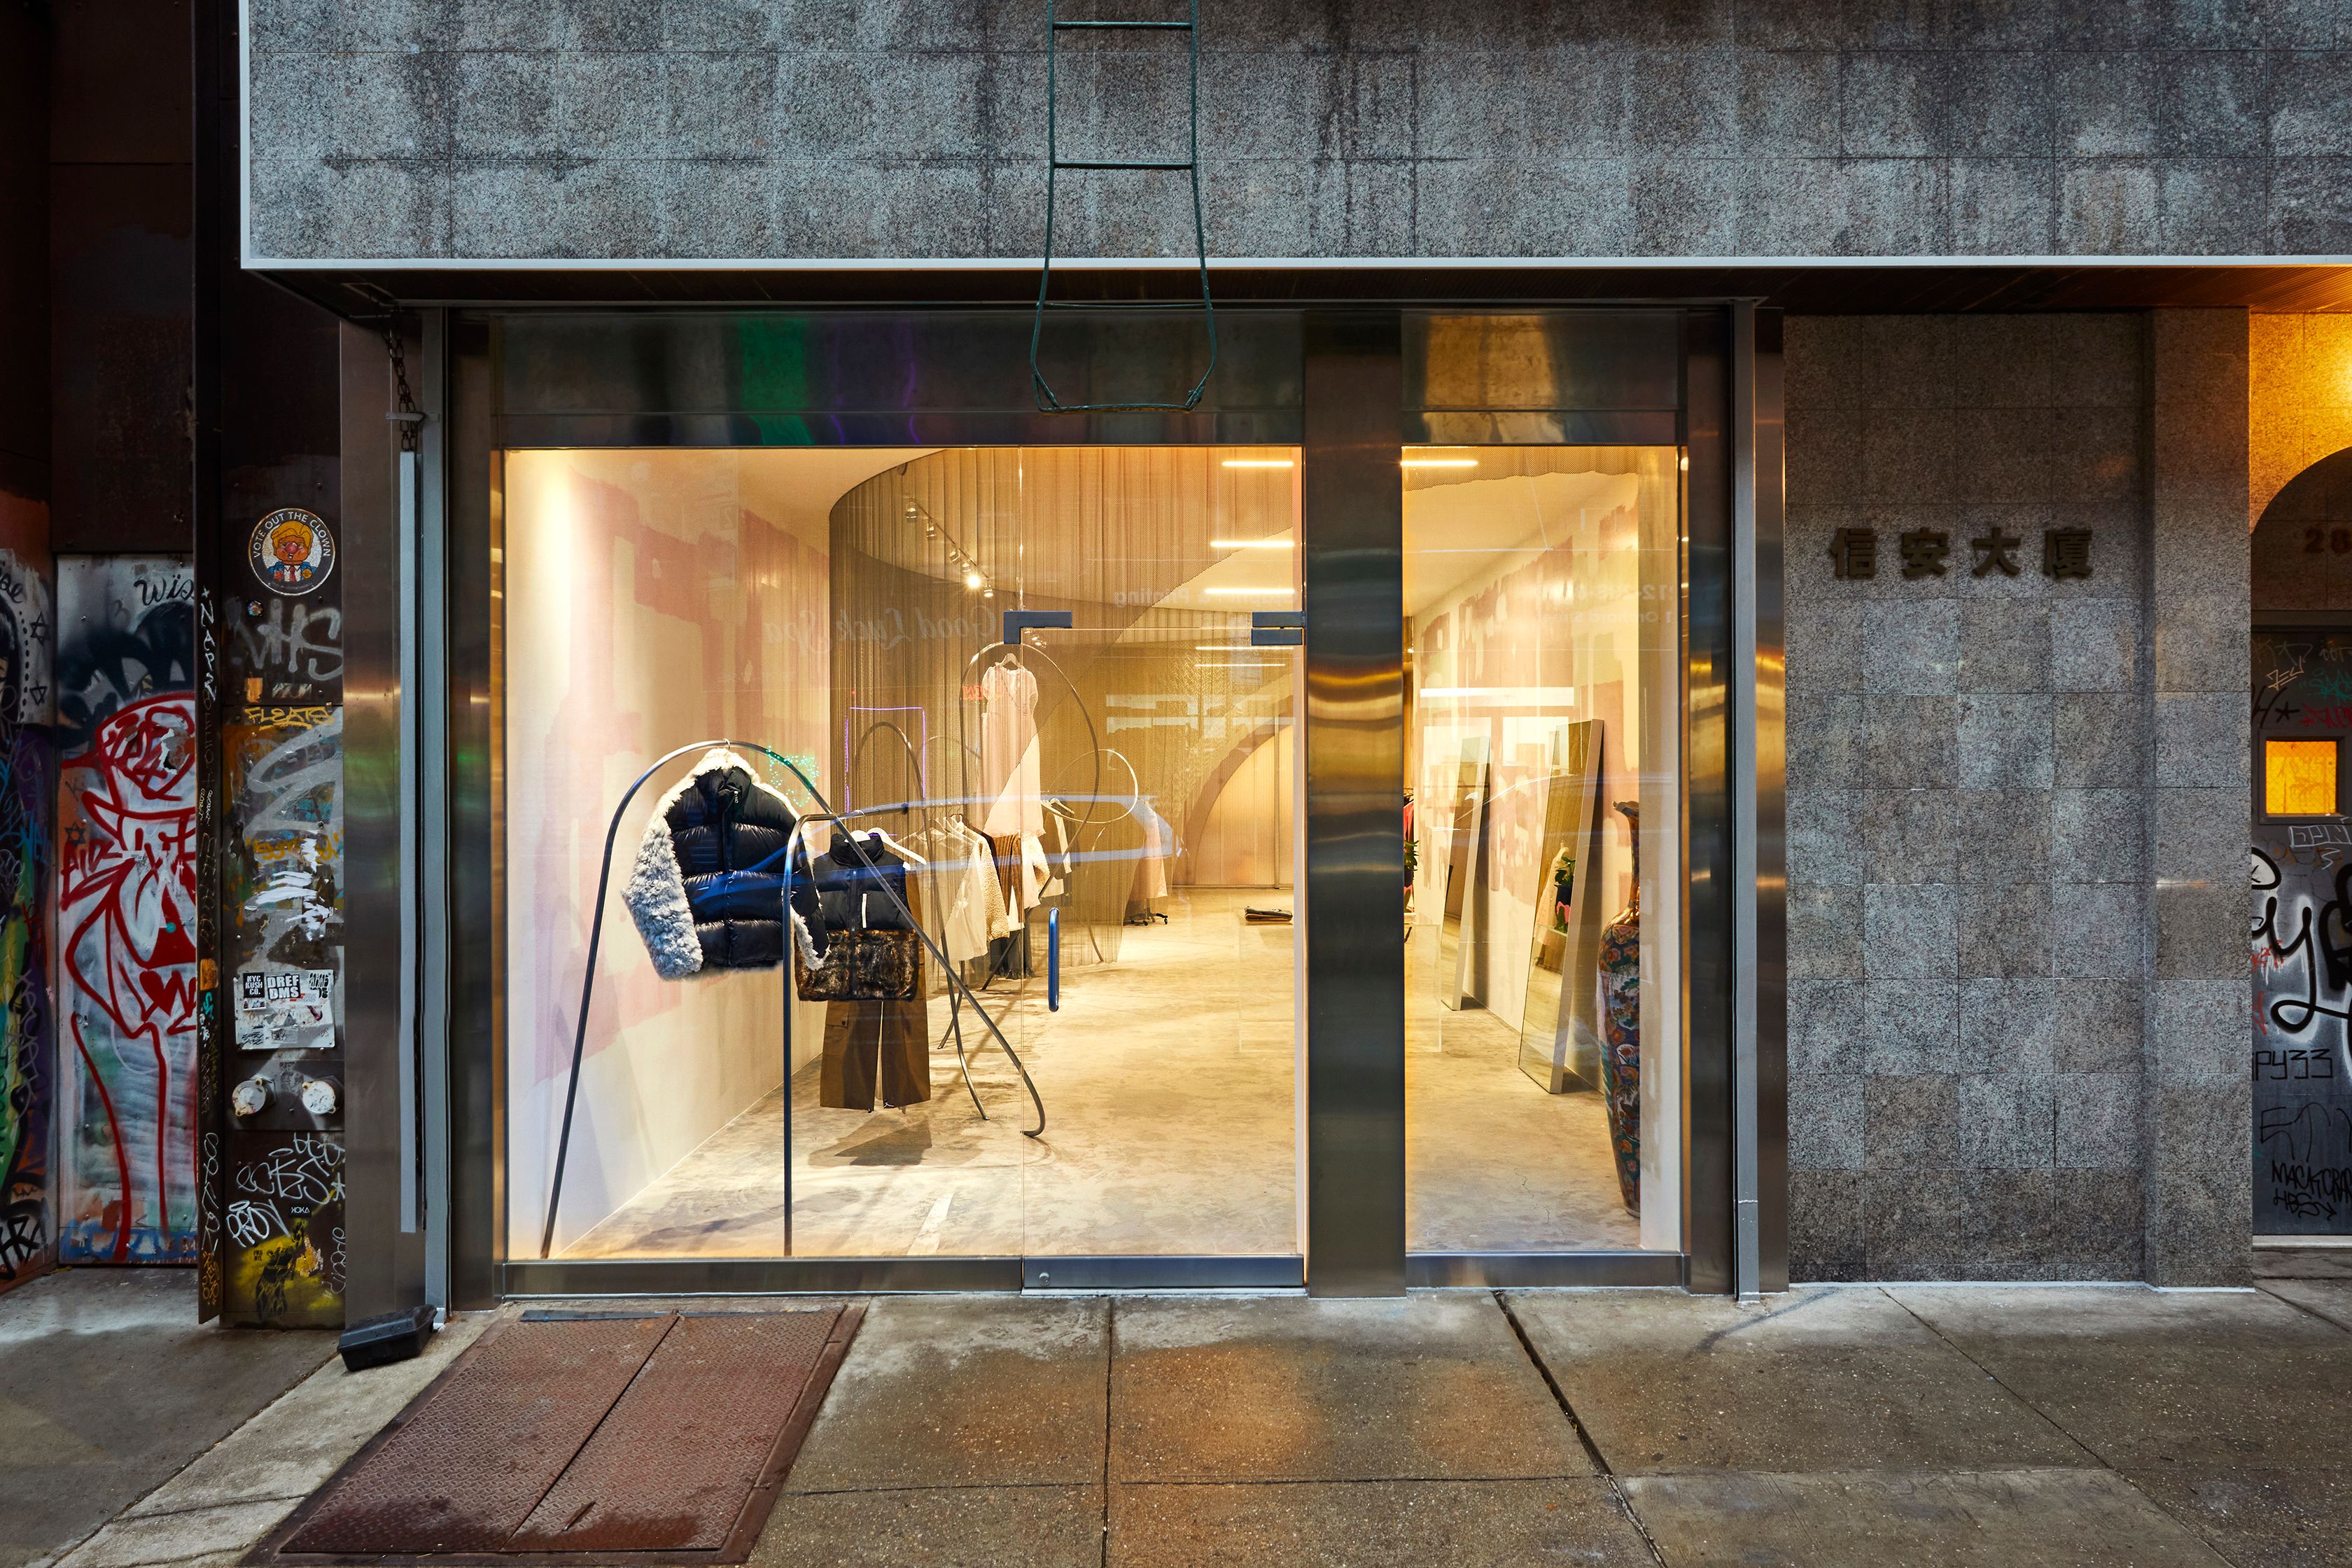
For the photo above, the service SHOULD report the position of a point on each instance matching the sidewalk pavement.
(108, 1385)
(1930, 1424)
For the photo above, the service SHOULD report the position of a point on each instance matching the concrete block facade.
(2018, 1003)
(786, 129)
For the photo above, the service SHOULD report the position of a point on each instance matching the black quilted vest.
(728, 837)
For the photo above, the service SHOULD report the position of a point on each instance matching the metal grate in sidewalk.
(565, 1439)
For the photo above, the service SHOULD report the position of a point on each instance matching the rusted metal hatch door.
(576, 1437)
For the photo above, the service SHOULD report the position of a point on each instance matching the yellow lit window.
(2299, 778)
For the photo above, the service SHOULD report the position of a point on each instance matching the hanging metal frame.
(794, 843)
(1048, 400)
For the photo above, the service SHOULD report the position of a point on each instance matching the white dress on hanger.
(968, 878)
(1009, 767)
(1158, 848)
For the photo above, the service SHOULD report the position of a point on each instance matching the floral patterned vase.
(1621, 1021)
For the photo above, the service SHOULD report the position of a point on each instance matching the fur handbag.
(862, 966)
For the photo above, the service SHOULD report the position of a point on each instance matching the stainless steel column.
(1758, 789)
(1710, 950)
(1352, 530)
(385, 1257)
(1771, 878)
(425, 708)
(474, 1159)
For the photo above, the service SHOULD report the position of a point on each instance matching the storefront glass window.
(1095, 831)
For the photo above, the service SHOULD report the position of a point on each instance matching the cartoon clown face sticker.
(292, 551)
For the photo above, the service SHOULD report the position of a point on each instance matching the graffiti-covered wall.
(281, 932)
(125, 955)
(27, 1054)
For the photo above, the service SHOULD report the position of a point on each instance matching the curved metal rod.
(1134, 779)
(931, 878)
(842, 819)
(1024, 648)
(596, 937)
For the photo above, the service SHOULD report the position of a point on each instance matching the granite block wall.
(2017, 973)
(782, 129)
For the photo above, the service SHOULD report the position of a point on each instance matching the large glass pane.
(1092, 824)
(1543, 829)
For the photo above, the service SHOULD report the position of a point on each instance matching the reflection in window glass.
(1543, 743)
(2299, 778)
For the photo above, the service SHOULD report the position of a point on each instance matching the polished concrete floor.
(1168, 1080)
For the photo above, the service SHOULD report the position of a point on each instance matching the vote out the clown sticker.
(292, 551)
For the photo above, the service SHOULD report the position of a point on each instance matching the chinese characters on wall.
(1926, 553)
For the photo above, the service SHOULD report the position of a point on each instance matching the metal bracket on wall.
(1020, 623)
(1048, 402)
(1278, 628)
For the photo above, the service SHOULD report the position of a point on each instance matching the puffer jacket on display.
(708, 889)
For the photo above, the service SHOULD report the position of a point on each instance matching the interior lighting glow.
(1548, 696)
(1249, 544)
(1224, 647)
(1207, 664)
(1257, 462)
(973, 580)
(1230, 593)
(1438, 463)
(2299, 778)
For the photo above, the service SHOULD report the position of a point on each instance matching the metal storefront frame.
(1349, 387)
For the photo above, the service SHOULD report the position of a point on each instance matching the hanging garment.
(855, 939)
(708, 889)
(1005, 853)
(1061, 849)
(1034, 874)
(872, 1047)
(859, 884)
(965, 868)
(1158, 848)
(1009, 768)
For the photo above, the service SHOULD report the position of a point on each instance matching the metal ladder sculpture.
(1048, 402)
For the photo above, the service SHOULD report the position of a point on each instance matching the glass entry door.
(1030, 670)
(1544, 719)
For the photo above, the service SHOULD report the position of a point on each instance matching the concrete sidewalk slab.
(111, 1385)
(1867, 1518)
(2330, 1298)
(238, 1491)
(2279, 1518)
(2147, 1378)
(955, 1527)
(948, 1391)
(1823, 1379)
(1375, 1524)
(1284, 1388)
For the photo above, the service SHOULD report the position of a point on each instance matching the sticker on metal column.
(292, 550)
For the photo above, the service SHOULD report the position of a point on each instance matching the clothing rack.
(794, 841)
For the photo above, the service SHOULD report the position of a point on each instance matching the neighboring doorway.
(2302, 860)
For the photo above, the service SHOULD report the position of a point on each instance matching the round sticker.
(292, 551)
